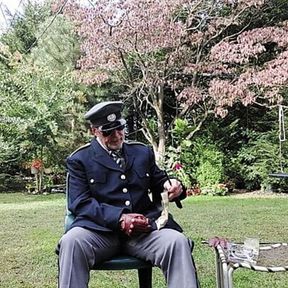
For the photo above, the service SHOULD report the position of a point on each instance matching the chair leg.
(145, 277)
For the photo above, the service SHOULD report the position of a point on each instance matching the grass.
(31, 226)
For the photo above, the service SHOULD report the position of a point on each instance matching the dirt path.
(241, 193)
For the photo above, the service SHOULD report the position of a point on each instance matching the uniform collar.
(101, 155)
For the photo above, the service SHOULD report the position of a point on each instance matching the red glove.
(133, 224)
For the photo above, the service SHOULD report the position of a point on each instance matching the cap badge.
(111, 117)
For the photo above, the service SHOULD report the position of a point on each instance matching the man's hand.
(134, 223)
(173, 187)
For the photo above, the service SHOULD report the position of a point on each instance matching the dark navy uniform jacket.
(99, 191)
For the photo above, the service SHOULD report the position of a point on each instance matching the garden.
(204, 83)
(208, 91)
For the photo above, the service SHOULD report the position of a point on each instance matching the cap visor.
(112, 126)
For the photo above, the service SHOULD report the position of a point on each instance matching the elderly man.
(109, 182)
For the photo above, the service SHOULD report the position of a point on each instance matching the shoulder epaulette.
(80, 148)
(130, 142)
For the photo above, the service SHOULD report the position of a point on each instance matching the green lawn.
(30, 227)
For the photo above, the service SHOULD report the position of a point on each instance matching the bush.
(209, 172)
(215, 190)
(194, 162)
(256, 160)
(9, 183)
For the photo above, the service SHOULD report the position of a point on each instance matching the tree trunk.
(158, 106)
(157, 141)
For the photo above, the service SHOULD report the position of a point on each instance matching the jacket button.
(127, 202)
(147, 174)
(92, 181)
(125, 190)
(123, 177)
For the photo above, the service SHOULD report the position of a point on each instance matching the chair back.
(69, 216)
(69, 219)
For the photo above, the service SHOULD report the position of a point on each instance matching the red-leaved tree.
(200, 56)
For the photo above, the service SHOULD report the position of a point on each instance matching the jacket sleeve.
(80, 202)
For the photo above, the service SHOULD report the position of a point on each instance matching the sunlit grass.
(31, 225)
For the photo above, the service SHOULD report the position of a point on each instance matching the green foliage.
(258, 158)
(58, 48)
(200, 161)
(152, 124)
(41, 103)
(9, 156)
(40, 108)
(11, 183)
(179, 157)
(181, 129)
(209, 171)
(22, 33)
(215, 190)
(249, 138)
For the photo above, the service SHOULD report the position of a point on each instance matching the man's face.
(113, 141)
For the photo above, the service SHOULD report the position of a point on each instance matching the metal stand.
(225, 269)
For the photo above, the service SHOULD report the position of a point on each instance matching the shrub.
(215, 190)
(9, 183)
(209, 171)
(256, 160)
(197, 162)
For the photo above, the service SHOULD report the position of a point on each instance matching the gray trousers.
(81, 249)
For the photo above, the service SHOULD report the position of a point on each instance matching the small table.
(271, 259)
